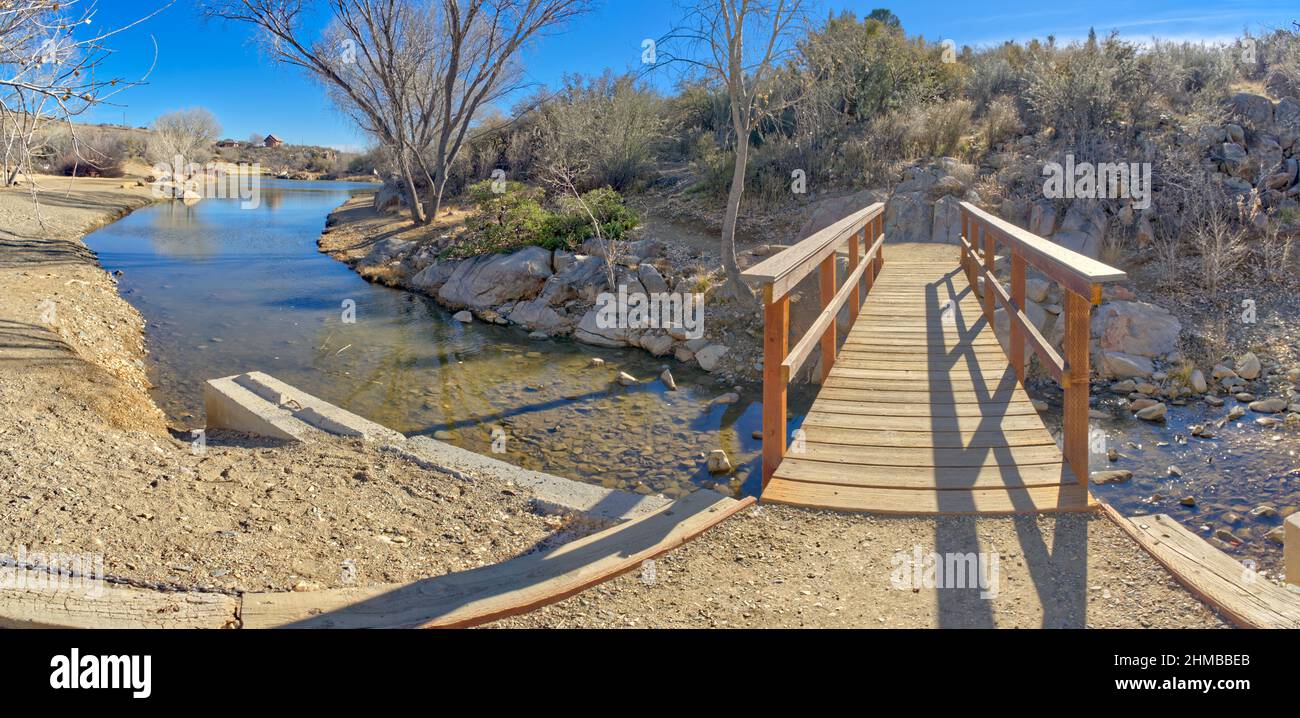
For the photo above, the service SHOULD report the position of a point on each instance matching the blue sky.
(215, 65)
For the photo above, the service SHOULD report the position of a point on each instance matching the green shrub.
(503, 221)
(571, 225)
(515, 218)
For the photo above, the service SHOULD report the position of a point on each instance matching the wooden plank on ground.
(1241, 595)
(477, 596)
(850, 457)
(30, 600)
(820, 416)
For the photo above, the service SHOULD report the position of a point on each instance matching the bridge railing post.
(776, 339)
(1074, 439)
(1018, 301)
(826, 281)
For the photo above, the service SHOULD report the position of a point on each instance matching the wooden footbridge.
(922, 410)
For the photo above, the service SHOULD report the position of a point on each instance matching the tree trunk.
(413, 196)
(735, 286)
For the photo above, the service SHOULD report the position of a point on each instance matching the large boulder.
(1256, 110)
(389, 199)
(1287, 117)
(491, 280)
(1135, 328)
(908, 218)
(537, 315)
(1123, 366)
(386, 250)
(829, 211)
(946, 227)
(589, 331)
(430, 279)
(1042, 218)
(1083, 228)
(584, 278)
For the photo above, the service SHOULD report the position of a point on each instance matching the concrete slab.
(258, 403)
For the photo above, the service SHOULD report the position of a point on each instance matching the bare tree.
(49, 57)
(738, 43)
(187, 134)
(563, 173)
(413, 73)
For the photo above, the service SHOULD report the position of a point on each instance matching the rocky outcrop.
(1135, 328)
(924, 206)
(489, 281)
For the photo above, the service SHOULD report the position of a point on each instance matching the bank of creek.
(227, 290)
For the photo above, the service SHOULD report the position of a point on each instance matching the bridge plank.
(921, 479)
(1071, 497)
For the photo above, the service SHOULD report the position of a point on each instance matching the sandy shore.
(89, 467)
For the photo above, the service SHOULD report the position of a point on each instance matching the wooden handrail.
(1080, 276)
(1077, 272)
(781, 273)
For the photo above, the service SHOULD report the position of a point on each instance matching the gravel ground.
(781, 566)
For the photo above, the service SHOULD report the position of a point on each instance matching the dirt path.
(787, 567)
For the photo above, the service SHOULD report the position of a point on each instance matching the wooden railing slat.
(1076, 271)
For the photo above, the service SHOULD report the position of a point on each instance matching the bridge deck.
(922, 414)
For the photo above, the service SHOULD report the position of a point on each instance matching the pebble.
(1174, 471)
(1153, 413)
(1117, 476)
(463, 316)
(626, 379)
(668, 380)
(597, 361)
(1269, 406)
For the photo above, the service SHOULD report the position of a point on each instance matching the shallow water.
(227, 290)
(1244, 466)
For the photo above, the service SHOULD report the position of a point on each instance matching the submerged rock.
(718, 462)
(1153, 413)
(1116, 476)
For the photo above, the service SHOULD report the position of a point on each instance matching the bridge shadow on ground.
(1057, 565)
